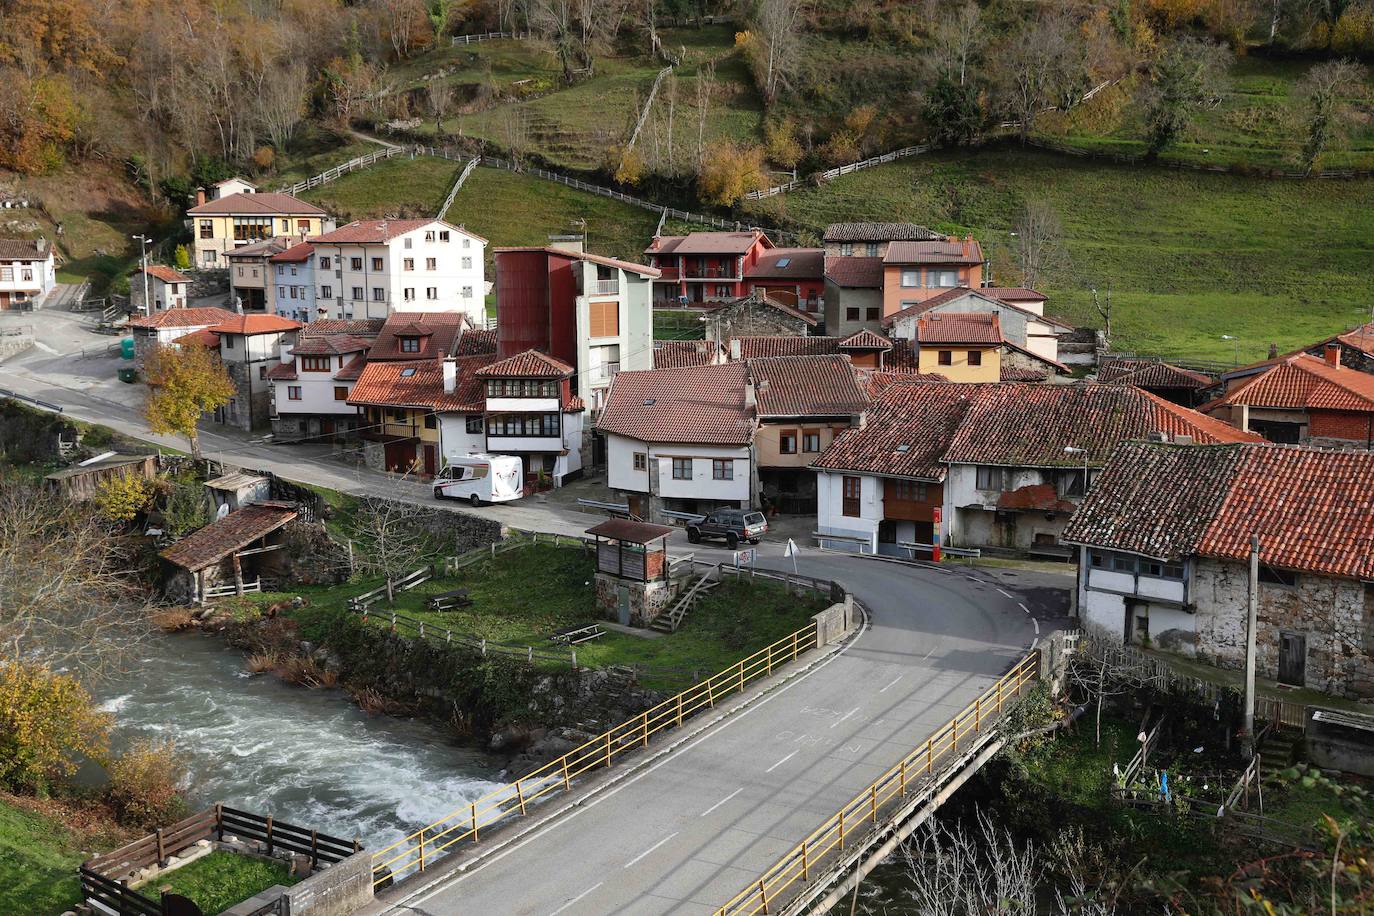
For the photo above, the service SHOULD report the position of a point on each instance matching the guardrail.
(16, 396)
(419, 850)
(865, 811)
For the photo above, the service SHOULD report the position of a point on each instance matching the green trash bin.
(126, 348)
(128, 374)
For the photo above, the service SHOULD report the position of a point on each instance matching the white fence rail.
(458, 185)
(486, 36)
(648, 104)
(352, 165)
(830, 174)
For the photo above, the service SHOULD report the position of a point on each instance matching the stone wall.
(208, 282)
(750, 317)
(309, 556)
(1335, 616)
(15, 341)
(451, 533)
(835, 622)
(247, 410)
(647, 599)
(336, 890)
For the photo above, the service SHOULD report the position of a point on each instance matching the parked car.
(731, 525)
(480, 479)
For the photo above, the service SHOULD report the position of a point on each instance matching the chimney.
(200, 196)
(41, 245)
(734, 348)
(953, 239)
(750, 396)
(450, 375)
(1333, 354)
(1183, 439)
(655, 242)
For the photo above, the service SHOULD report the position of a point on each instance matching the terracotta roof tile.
(420, 384)
(908, 429)
(959, 328)
(355, 327)
(333, 345)
(297, 253)
(219, 539)
(24, 249)
(476, 342)
(789, 264)
(865, 339)
(255, 324)
(963, 251)
(675, 354)
(1304, 381)
(443, 328)
(201, 338)
(783, 345)
(698, 404)
(1014, 293)
(352, 369)
(1015, 374)
(1144, 373)
(800, 386)
(183, 318)
(880, 232)
(855, 272)
(283, 372)
(165, 274)
(529, 364)
(262, 203)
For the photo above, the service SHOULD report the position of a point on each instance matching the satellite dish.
(222, 511)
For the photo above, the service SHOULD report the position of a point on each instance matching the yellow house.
(400, 422)
(961, 346)
(221, 225)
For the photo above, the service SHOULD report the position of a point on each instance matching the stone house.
(756, 315)
(165, 289)
(853, 294)
(162, 328)
(1164, 541)
(1303, 399)
(250, 347)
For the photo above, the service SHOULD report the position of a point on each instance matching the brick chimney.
(450, 375)
(200, 196)
(1332, 354)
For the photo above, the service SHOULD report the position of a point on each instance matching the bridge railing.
(874, 804)
(422, 848)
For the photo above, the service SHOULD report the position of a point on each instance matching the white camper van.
(480, 479)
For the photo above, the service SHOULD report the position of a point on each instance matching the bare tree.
(1323, 98)
(1039, 67)
(282, 103)
(1104, 310)
(956, 41)
(778, 23)
(439, 94)
(387, 541)
(552, 21)
(1038, 242)
(516, 127)
(1097, 677)
(69, 594)
(399, 20)
(706, 84)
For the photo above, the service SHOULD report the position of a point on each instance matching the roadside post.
(744, 558)
(935, 535)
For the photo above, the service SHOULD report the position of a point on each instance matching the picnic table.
(571, 636)
(449, 600)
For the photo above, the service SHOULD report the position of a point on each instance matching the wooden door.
(399, 456)
(1293, 659)
(635, 503)
(431, 460)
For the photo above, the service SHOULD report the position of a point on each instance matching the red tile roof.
(25, 249)
(182, 318)
(875, 381)
(800, 264)
(352, 369)
(443, 328)
(855, 273)
(201, 338)
(1304, 381)
(219, 539)
(865, 339)
(297, 253)
(420, 384)
(476, 342)
(529, 364)
(959, 328)
(256, 204)
(962, 251)
(283, 372)
(255, 324)
(1361, 338)
(165, 274)
(675, 354)
(1014, 374)
(726, 243)
(880, 232)
(908, 430)
(1144, 373)
(378, 231)
(1313, 509)
(355, 327)
(333, 345)
(782, 345)
(802, 386)
(1014, 293)
(698, 404)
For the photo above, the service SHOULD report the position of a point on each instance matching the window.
(467, 292)
(942, 278)
(871, 249)
(474, 424)
(1070, 482)
(1271, 576)
(326, 292)
(443, 235)
(378, 294)
(207, 229)
(1160, 570)
(682, 468)
(262, 372)
(255, 272)
(873, 313)
(431, 292)
(431, 421)
(408, 264)
(285, 226)
(340, 393)
(783, 262)
(314, 363)
(911, 278)
(641, 461)
(410, 345)
(787, 442)
(355, 263)
(376, 263)
(946, 357)
(811, 441)
(208, 257)
(431, 263)
(228, 342)
(991, 479)
(847, 249)
(357, 292)
(252, 228)
(303, 226)
(851, 314)
(281, 292)
(298, 292)
(429, 236)
(851, 488)
(281, 271)
(975, 357)
(722, 469)
(293, 270)
(398, 416)
(467, 263)
(240, 273)
(408, 294)
(1097, 559)
(1123, 564)
(325, 263)
(722, 291)
(467, 242)
(409, 242)
(913, 491)
(604, 319)
(293, 392)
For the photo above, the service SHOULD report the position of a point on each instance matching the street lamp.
(143, 247)
(1075, 450)
(1236, 351)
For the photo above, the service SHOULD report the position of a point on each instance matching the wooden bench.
(450, 600)
(571, 636)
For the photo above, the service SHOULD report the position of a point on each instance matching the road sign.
(744, 557)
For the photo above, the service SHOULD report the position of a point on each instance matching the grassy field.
(1188, 257)
(314, 149)
(38, 861)
(524, 595)
(222, 879)
(400, 187)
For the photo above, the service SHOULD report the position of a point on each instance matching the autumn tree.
(780, 139)
(184, 383)
(1189, 75)
(729, 171)
(48, 724)
(438, 12)
(1322, 99)
(120, 498)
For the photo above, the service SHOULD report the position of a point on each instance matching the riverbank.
(42, 842)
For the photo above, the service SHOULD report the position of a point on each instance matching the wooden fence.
(648, 104)
(352, 165)
(458, 185)
(486, 36)
(830, 174)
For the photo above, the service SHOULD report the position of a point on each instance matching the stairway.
(1278, 751)
(670, 620)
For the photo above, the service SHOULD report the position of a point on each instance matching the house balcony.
(609, 287)
(711, 273)
(669, 274)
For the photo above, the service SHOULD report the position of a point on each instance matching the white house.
(372, 268)
(166, 289)
(1022, 322)
(681, 439)
(161, 328)
(531, 411)
(250, 346)
(291, 282)
(312, 383)
(27, 272)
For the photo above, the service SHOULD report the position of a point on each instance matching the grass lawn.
(399, 187)
(222, 879)
(38, 862)
(524, 595)
(313, 150)
(1188, 256)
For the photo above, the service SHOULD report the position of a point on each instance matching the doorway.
(1293, 659)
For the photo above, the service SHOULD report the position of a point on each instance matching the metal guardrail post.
(474, 822)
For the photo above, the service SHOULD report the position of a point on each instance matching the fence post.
(806, 860)
(567, 780)
(954, 734)
(763, 896)
(314, 849)
(422, 849)
(841, 828)
(904, 777)
(977, 712)
(873, 802)
(269, 834)
(608, 748)
(794, 644)
(474, 822)
(161, 850)
(520, 795)
(741, 675)
(219, 821)
(645, 716)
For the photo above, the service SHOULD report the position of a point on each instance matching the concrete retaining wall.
(835, 622)
(337, 890)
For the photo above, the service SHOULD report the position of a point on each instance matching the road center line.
(651, 848)
(928, 654)
(1036, 623)
(781, 762)
(1026, 609)
(577, 898)
(722, 801)
(843, 717)
(892, 682)
(1007, 594)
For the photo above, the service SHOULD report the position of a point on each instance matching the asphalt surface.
(688, 832)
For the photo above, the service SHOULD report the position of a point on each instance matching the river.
(307, 757)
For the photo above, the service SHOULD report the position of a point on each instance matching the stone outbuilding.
(228, 556)
(632, 582)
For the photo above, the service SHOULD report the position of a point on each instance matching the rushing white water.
(308, 757)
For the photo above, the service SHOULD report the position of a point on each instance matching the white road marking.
(1026, 609)
(651, 848)
(577, 898)
(1007, 594)
(722, 801)
(38, 344)
(843, 717)
(892, 683)
(971, 578)
(781, 762)
(1036, 624)
(928, 654)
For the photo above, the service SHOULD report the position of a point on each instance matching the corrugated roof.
(698, 404)
(261, 203)
(801, 386)
(624, 529)
(727, 243)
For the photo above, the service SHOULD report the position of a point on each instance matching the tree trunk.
(194, 439)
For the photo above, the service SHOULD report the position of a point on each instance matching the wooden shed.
(81, 481)
(228, 556)
(631, 550)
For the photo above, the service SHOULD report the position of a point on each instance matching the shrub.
(730, 171)
(47, 721)
(182, 258)
(122, 497)
(143, 784)
(780, 139)
(264, 156)
(185, 508)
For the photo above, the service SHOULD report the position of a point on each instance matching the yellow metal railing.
(421, 848)
(862, 813)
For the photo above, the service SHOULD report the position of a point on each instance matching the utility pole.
(143, 257)
(1251, 618)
